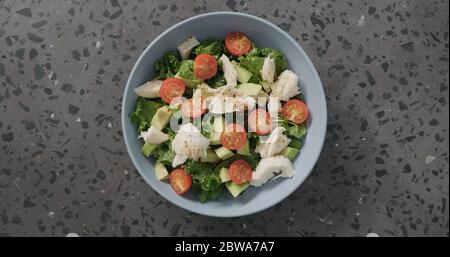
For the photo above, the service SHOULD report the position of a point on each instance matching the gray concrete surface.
(63, 163)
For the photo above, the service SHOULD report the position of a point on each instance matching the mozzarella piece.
(149, 89)
(154, 136)
(276, 143)
(188, 143)
(268, 69)
(268, 167)
(186, 47)
(229, 71)
(286, 86)
(179, 159)
(224, 104)
(208, 91)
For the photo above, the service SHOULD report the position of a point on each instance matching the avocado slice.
(243, 75)
(214, 138)
(148, 148)
(211, 156)
(245, 150)
(249, 89)
(236, 189)
(290, 153)
(224, 176)
(161, 118)
(189, 83)
(297, 131)
(266, 86)
(224, 153)
(161, 171)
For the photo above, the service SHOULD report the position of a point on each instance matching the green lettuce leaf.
(255, 51)
(295, 143)
(168, 65)
(217, 81)
(206, 181)
(143, 113)
(296, 132)
(253, 64)
(253, 159)
(210, 46)
(164, 153)
(278, 56)
(254, 60)
(186, 73)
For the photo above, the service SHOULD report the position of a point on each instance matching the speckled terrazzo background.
(63, 163)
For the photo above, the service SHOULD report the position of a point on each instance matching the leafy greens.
(143, 113)
(206, 181)
(210, 46)
(168, 65)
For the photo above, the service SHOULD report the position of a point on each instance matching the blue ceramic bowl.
(264, 34)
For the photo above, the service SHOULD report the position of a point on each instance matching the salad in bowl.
(221, 115)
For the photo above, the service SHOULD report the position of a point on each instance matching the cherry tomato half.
(171, 88)
(180, 181)
(237, 43)
(240, 172)
(205, 66)
(234, 137)
(295, 110)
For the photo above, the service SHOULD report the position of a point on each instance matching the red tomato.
(240, 172)
(234, 137)
(180, 181)
(259, 121)
(237, 43)
(295, 110)
(171, 88)
(193, 108)
(205, 66)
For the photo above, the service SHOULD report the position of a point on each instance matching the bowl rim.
(124, 116)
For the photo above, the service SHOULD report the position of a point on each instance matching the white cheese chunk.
(268, 70)
(269, 167)
(154, 136)
(188, 143)
(186, 47)
(149, 89)
(207, 91)
(286, 86)
(274, 145)
(229, 71)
